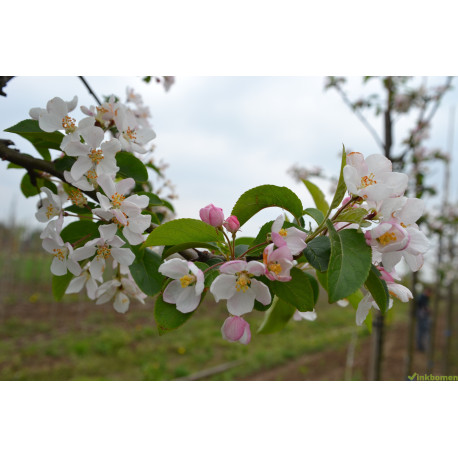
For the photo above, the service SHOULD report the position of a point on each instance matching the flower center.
(120, 225)
(60, 253)
(68, 124)
(243, 282)
(50, 211)
(386, 238)
(187, 280)
(116, 200)
(77, 198)
(274, 267)
(130, 135)
(92, 177)
(368, 181)
(96, 155)
(283, 232)
(103, 252)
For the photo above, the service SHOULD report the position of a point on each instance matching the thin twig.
(83, 79)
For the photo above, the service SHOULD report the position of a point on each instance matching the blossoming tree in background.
(110, 234)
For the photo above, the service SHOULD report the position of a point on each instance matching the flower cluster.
(239, 281)
(91, 145)
(395, 234)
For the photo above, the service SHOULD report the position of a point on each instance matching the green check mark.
(412, 377)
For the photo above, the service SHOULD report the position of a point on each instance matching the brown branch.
(32, 163)
(83, 79)
(3, 82)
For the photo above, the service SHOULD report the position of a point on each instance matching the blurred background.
(216, 138)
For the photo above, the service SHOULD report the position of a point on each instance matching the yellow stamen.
(92, 177)
(386, 238)
(76, 196)
(367, 181)
(274, 267)
(103, 252)
(283, 232)
(96, 155)
(50, 211)
(120, 225)
(68, 124)
(243, 282)
(130, 134)
(59, 254)
(116, 200)
(187, 280)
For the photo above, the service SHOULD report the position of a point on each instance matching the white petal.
(58, 267)
(232, 267)
(241, 302)
(255, 268)
(172, 291)
(73, 266)
(108, 231)
(80, 167)
(174, 268)
(223, 287)
(132, 237)
(107, 184)
(121, 303)
(125, 186)
(278, 223)
(97, 267)
(76, 285)
(93, 136)
(363, 309)
(188, 300)
(261, 291)
(124, 256)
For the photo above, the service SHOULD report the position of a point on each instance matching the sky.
(222, 135)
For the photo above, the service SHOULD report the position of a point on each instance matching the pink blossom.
(236, 329)
(212, 215)
(292, 237)
(232, 224)
(278, 263)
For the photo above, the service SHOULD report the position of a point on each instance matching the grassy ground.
(41, 339)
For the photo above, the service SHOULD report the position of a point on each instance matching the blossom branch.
(83, 79)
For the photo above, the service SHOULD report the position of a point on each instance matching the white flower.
(397, 235)
(125, 212)
(95, 153)
(187, 285)
(63, 256)
(50, 206)
(105, 247)
(78, 283)
(293, 237)
(131, 136)
(55, 116)
(372, 178)
(237, 285)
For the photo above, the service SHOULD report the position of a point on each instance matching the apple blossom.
(95, 153)
(78, 283)
(55, 116)
(212, 215)
(50, 206)
(309, 316)
(237, 285)
(63, 256)
(372, 178)
(187, 285)
(292, 237)
(236, 329)
(278, 262)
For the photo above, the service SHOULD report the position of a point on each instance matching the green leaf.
(315, 214)
(64, 163)
(318, 252)
(254, 200)
(352, 215)
(153, 198)
(60, 284)
(145, 272)
(349, 263)
(41, 140)
(167, 316)
(378, 289)
(298, 291)
(80, 210)
(276, 317)
(29, 189)
(355, 298)
(83, 230)
(318, 197)
(184, 230)
(131, 167)
(341, 186)
(315, 287)
(244, 241)
(169, 250)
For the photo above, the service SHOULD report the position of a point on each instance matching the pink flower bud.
(236, 329)
(212, 215)
(232, 224)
